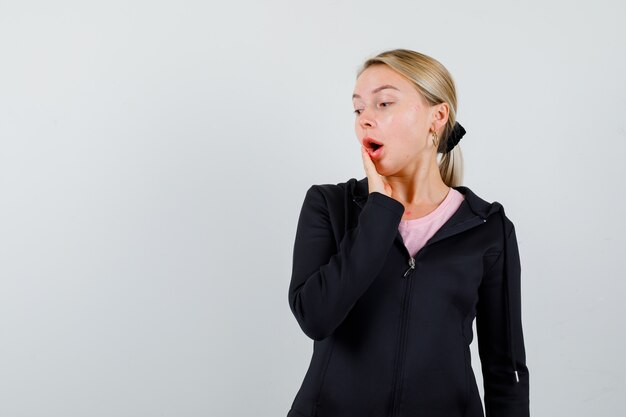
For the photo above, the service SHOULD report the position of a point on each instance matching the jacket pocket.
(468, 365)
(436, 393)
(356, 383)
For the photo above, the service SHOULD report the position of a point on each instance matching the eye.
(385, 103)
(357, 111)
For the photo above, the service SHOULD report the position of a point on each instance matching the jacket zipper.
(411, 267)
(403, 334)
(396, 389)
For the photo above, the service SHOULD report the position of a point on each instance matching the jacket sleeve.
(500, 336)
(329, 277)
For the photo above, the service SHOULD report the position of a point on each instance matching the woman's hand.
(375, 181)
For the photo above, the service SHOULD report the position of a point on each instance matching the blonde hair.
(433, 81)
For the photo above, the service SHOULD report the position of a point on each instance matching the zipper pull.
(411, 266)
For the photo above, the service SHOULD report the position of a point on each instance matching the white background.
(154, 157)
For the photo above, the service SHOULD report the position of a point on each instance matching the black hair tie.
(457, 133)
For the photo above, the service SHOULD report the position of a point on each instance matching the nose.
(366, 120)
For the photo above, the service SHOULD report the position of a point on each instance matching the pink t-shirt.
(416, 232)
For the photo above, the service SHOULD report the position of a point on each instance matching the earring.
(435, 141)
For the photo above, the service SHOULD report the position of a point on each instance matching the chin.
(382, 169)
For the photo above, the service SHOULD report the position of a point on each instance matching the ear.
(440, 114)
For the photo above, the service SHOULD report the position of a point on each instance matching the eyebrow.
(376, 90)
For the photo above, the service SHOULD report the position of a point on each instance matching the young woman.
(390, 271)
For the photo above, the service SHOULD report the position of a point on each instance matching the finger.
(374, 178)
(370, 169)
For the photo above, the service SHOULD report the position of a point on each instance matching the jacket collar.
(359, 191)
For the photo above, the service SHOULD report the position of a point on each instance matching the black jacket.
(391, 332)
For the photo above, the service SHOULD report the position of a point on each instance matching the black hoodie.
(392, 332)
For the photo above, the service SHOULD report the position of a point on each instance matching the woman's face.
(390, 111)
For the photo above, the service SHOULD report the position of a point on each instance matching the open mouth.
(374, 148)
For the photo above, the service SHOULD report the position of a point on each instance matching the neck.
(420, 185)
